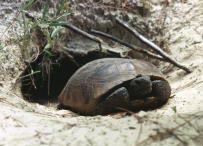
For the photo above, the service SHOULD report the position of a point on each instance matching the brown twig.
(32, 78)
(150, 54)
(29, 16)
(28, 75)
(152, 45)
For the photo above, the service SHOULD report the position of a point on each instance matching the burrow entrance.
(44, 78)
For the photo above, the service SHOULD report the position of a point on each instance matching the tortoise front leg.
(119, 98)
(160, 94)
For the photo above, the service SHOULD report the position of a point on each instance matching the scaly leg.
(119, 98)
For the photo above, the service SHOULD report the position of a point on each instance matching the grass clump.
(40, 43)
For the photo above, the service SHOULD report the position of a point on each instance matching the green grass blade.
(55, 31)
(28, 4)
(63, 15)
(1, 46)
(45, 11)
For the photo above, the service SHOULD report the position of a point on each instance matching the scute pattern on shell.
(83, 91)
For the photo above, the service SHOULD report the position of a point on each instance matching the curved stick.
(81, 32)
(152, 55)
(152, 45)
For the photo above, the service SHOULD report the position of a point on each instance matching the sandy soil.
(179, 122)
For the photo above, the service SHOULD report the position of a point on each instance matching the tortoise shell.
(86, 88)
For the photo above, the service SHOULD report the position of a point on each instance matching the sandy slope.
(185, 41)
(23, 123)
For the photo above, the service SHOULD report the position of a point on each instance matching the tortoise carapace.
(106, 85)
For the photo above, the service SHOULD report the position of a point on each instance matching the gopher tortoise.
(107, 85)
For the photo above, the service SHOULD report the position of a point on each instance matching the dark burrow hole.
(39, 86)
